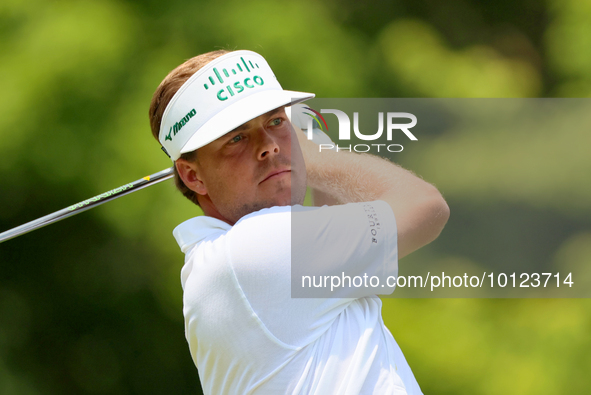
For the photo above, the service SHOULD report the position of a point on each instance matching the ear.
(190, 174)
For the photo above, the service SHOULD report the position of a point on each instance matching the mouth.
(276, 174)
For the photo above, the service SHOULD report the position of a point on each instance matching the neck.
(210, 210)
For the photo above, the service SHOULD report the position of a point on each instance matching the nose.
(268, 145)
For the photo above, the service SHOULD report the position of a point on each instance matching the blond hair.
(164, 93)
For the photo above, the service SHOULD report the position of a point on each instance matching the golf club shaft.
(87, 204)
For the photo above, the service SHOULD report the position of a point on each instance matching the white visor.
(224, 94)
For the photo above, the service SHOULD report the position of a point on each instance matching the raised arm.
(420, 210)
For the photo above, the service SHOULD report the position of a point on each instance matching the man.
(221, 118)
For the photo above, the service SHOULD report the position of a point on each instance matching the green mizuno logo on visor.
(238, 86)
(179, 125)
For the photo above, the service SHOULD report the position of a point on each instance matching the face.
(253, 167)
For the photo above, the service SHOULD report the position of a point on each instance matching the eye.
(276, 122)
(236, 139)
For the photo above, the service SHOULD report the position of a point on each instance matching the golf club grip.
(87, 204)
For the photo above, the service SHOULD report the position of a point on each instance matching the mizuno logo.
(179, 125)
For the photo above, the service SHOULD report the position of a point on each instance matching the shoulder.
(264, 215)
(262, 236)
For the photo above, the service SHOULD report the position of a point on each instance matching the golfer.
(221, 117)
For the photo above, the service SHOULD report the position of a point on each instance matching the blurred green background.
(92, 305)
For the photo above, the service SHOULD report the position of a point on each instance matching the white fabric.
(239, 83)
(247, 335)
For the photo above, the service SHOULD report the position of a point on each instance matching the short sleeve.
(271, 249)
(343, 251)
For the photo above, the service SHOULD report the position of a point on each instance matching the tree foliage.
(93, 304)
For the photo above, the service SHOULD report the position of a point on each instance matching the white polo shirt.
(246, 333)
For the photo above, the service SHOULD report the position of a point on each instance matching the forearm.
(320, 198)
(419, 208)
(351, 177)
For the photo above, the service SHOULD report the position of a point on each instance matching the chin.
(287, 201)
(279, 202)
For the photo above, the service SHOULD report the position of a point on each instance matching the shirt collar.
(196, 229)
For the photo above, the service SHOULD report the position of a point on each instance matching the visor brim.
(241, 112)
